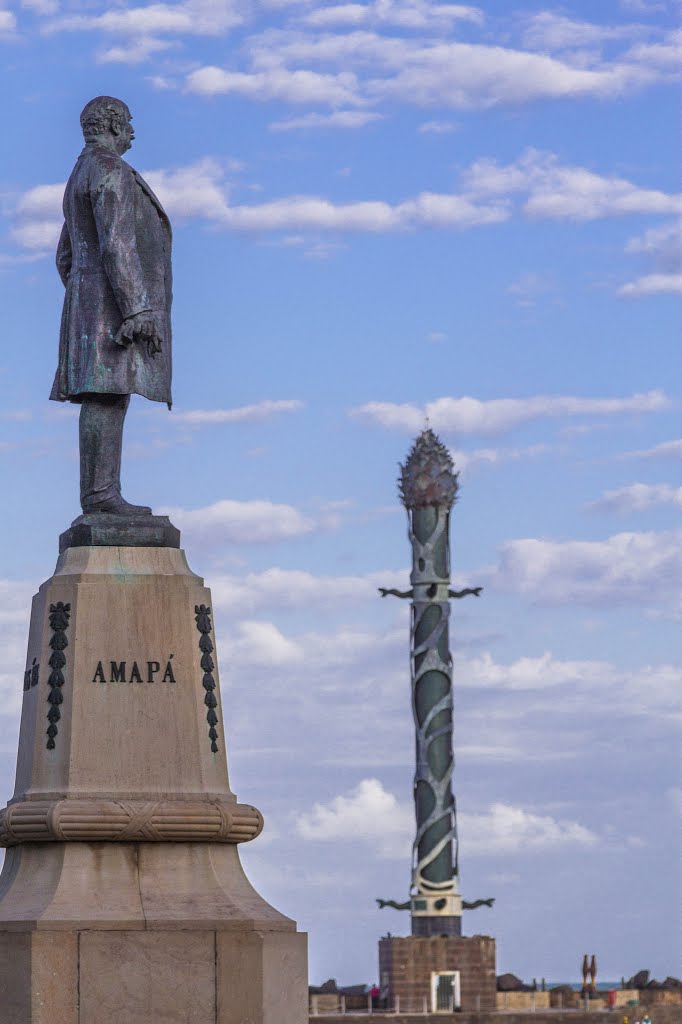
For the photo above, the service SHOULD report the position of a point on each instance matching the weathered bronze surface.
(114, 258)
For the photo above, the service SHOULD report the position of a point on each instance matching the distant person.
(374, 996)
(646, 1019)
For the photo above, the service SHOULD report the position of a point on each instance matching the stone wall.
(659, 1015)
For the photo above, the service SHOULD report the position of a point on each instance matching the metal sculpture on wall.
(428, 489)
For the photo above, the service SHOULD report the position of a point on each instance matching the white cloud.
(193, 17)
(529, 673)
(194, 190)
(643, 568)
(409, 14)
(494, 416)
(255, 413)
(652, 284)
(277, 84)
(529, 286)
(369, 813)
(8, 22)
(664, 450)
(313, 212)
(556, 192)
(296, 588)
(262, 644)
(508, 829)
(643, 6)
(665, 56)
(38, 236)
(550, 31)
(200, 190)
(42, 7)
(663, 242)
(438, 127)
(133, 52)
(468, 76)
(242, 522)
(494, 456)
(366, 813)
(638, 498)
(339, 119)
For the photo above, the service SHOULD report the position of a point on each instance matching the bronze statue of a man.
(114, 258)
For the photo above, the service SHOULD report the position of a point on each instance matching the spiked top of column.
(428, 476)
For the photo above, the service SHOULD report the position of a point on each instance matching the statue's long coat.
(114, 257)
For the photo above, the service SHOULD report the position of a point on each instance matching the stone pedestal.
(409, 968)
(122, 897)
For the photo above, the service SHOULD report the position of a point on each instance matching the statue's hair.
(96, 115)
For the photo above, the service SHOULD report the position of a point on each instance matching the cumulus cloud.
(638, 498)
(472, 415)
(408, 14)
(371, 814)
(193, 17)
(8, 23)
(661, 246)
(652, 284)
(550, 31)
(242, 522)
(256, 413)
(664, 242)
(508, 829)
(134, 51)
(495, 456)
(296, 588)
(529, 287)
(555, 191)
(193, 190)
(664, 450)
(41, 7)
(437, 127)
(626, 568)
(301, 86)
(366, 813)
(339, 119)
(201, 190)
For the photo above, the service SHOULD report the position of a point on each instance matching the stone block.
(147, 977)
(38, 978)
(262, 977)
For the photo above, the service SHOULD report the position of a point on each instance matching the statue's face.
(123, 131)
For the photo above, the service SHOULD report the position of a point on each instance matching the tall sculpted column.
(428, 489)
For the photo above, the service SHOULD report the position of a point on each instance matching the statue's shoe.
(118, 506)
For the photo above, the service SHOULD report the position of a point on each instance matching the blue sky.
(387, 211)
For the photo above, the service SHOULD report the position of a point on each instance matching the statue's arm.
(466, 592)
(64, 255)
(385, 591)
(112, 192)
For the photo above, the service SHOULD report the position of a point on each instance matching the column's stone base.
(143, 933)
(407, 966)
(153, 977)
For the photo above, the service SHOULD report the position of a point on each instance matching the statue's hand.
(141, 327)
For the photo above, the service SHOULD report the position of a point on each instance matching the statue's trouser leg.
(101, 439)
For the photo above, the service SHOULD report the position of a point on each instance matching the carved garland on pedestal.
(60, 614)
(203, 620)
(123, 821)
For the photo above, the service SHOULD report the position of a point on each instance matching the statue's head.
(108, 121)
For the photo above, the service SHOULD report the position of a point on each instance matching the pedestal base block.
(122, 896)
(411, 970)
(153, 977)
